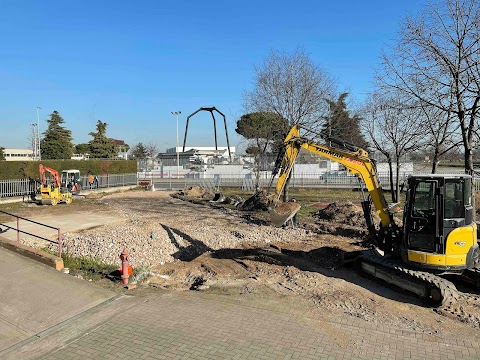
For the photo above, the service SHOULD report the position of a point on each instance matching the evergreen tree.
(82, 149)
(139, 151)
(341, 125)
(265, 132)
(57, 141)
(2, 155)
(101, 146)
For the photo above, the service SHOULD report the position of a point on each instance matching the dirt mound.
(258, 201)
(196, 191)
(343, 213)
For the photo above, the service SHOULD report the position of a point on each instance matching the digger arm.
(53, 172)
(357, 163)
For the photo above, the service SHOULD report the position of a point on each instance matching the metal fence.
(18, 187)
(23, 187)
(247, 182)
(110, 180)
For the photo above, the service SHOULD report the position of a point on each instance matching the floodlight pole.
(176, 113)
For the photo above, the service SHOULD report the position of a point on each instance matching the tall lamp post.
(176, 113)
(34, 141)
(38, 132)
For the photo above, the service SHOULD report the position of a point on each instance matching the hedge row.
(29, 169)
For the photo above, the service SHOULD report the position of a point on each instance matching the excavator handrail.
(356, 162)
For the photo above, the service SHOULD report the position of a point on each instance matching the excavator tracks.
(426, 285)
(473, 276)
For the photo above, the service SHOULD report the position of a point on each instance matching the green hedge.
(29, 169)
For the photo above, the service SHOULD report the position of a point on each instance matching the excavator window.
(424, 198)
(454, 200)
(422, 223)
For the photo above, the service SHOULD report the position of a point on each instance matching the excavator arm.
(355, 161)
(56, 178)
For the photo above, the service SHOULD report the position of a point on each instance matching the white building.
(18, 154)
(221, 150)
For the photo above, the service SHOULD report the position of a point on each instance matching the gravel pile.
(179, 230)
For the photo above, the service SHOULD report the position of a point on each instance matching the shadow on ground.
(328, 261)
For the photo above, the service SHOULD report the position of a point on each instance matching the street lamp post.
(176, 113)
(38, 132)
(34, 140)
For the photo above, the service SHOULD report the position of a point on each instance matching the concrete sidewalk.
(66, 223)
(193, 325)
(35, 297)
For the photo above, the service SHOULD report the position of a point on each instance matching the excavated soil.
(203, 246)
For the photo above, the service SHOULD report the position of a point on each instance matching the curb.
(32, 253)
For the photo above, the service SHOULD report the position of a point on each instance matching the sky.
(132, 63)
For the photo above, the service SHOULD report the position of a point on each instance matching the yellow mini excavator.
(51, 190)
(439, 232)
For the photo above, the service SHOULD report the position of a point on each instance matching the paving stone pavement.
(193, 325)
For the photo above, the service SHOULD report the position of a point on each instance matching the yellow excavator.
(439, 232)
(51, 189)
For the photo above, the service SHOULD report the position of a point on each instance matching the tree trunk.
(392, 190)
(257, 173)
(285, 189)
(397, 182)
(435, 160)
(468, 159)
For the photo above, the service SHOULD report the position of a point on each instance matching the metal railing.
(109, 180)
(19, 187)
(23, 187)
(17, 229)
(248, 182)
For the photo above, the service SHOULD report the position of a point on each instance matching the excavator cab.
(439, 226)
(71, 180)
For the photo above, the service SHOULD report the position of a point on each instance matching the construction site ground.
(192, 252)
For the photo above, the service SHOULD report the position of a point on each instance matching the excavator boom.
(356, 162)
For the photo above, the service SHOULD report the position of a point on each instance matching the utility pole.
(38, 132)
(176, 113)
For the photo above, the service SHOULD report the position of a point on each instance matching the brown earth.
(203, 246)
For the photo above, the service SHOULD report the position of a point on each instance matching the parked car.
(338, 177)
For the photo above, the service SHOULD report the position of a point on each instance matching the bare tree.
(394, 129)
(294, 88)
(436, 59)
(151, 150)
(442, 132)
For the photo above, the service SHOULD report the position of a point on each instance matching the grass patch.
(90, 268)
(139, 274)
(309, 198)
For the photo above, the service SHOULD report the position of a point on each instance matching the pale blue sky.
(131, 64)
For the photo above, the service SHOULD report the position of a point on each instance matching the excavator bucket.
(218, 197)
(283, 213)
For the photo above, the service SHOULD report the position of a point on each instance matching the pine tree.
(57, 140)
(341, 125)
(139, 151)
(101, 146)
(2, 155)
